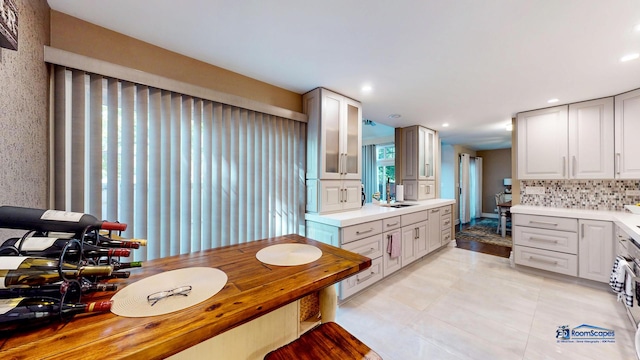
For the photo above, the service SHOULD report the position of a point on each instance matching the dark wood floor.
(497, 250)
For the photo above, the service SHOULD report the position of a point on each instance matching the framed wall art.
(8, 24)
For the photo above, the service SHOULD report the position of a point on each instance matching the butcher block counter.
(253, 291)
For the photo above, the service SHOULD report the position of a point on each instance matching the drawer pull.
(366, 277)
(543, 240)
(446, 222)
(368, 251)
(543, 223)
(364, 232)
(537, 259)
(435, 211)
(394, 224)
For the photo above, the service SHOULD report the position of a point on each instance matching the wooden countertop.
(253, 289)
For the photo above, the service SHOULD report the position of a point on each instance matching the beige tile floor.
(459, 304)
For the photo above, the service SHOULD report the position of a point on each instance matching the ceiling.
(472, 64)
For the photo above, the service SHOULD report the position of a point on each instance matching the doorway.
(470, 199)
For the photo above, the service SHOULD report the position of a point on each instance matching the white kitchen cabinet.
(570, 246)
(419, 153)
(542, 143)
(334, 141)
(389, 264)
(439, 232)
(596, 250)
(414, 236)
(591, 142)
(627, 128)
(567, 142)
(546, 242)
(419, 189)
(334, 151)
(435, 229)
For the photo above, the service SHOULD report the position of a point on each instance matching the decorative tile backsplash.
(581, 194)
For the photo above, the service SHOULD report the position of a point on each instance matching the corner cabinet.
(419, 162)
(627, 128)
(334, 151)
(573, 141)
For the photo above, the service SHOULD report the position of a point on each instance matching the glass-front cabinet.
(334, 151)
(340, 140)
(419, 149)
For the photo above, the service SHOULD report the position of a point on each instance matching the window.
(386, 163)
(184, 172)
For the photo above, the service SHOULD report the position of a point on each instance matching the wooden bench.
(326, 341)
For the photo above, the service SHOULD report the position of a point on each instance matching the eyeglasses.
(157, 296)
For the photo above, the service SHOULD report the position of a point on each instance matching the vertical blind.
(185, 173)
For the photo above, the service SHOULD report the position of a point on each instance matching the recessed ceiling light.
(367, 88)
(445, 125)
(395, 116)
(551, 101)
(629, 57)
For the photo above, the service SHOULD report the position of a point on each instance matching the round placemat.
(289, 254)
(132, 300)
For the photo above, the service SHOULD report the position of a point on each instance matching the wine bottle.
(57, 290)
(29, 311)
(52, 247)
(123, 265)
(108, 242)
(22, 271)
(14, 217)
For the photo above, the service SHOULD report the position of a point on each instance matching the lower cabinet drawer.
(445, 221)
(547, 260)
(361, 231)
(554, 240)
(362, 279)
(446, 236)
(370, 247)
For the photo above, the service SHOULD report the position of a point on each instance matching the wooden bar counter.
(253, 290)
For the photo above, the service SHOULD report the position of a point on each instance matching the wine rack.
(60, 268)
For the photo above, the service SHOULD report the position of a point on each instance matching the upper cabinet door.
(419, 153)
(627, 128)
(591, 139)
(352, 141)
(334, 140)
(331, 137)
(542, 144)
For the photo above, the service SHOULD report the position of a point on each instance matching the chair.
(500, 199)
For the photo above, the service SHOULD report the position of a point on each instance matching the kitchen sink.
(400, 205)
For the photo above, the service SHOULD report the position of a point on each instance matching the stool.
(326, 341)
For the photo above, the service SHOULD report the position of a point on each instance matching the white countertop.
(627, 221)
(371, 212)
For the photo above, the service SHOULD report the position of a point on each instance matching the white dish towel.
(621, 280)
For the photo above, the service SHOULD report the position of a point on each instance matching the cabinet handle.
(366, 277)
(564, 166)
(341, 195)
(537, 259)
(582, 231)
(446, 222)
(344, 164)
(542, 223)
(618, 163)
(394, 224)
(364, 232)
(368, 251)
(573, 166)
(543, 240)
(434, 211)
